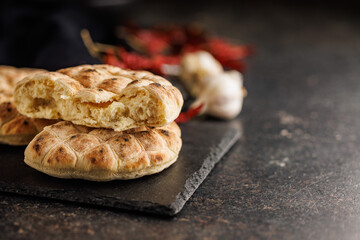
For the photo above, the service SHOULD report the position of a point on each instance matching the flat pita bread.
(16, 129)
(100, 96)
(66, 150)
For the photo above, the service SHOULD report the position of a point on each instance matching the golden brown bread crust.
(100, 96)
(16, 129)
(66, 150)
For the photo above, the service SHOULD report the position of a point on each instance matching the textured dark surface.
(163, 194)
(295, 174)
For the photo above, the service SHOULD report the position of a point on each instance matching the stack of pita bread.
(112, 123)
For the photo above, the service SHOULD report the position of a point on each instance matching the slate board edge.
(199, 176)
(191, 185)
(70, 197)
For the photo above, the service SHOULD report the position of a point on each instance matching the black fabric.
(46, 37)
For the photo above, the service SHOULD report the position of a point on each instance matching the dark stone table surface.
(295, 173)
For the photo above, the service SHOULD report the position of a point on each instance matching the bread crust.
(16, 129)
(66, 150)
(100, 96)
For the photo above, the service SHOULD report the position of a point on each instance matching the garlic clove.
(223, 96)
(196, 67)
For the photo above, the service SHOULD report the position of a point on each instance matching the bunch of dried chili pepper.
(153, 47)
(175, 40)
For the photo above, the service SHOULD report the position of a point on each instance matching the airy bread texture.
(66, 150)
(9, 76)
(16, 129)
(100, 96)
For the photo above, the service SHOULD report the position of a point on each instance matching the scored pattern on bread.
(67, 150)
(100, 96)
(16, 129)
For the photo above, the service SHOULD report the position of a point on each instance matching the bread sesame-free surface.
(67, 150)
(100, 96)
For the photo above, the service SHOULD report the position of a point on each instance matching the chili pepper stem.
(89, 43)
(95, 49)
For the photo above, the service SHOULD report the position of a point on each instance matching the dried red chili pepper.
(154, 42)
(111, 59)
(234, 65)
(133, 60)
(188, 115)
(224, 50)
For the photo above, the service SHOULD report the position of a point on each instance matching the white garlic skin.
(223, 96)
(196, 67)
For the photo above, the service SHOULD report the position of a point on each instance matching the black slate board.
(204, 143)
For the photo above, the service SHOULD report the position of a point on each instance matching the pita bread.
(66, 150)
(100, 96)
(16, 129)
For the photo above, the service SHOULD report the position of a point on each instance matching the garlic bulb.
(195, 67)
(220, 91)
